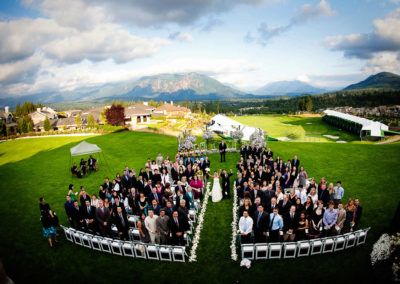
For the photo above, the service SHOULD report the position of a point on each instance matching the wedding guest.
(144, 234)
(290, 224)
(339, 192)
(340, 219)
(261, 225)
(302, 227)
(245, 227)
(121, 221)
(329, 219)
(350, 216)
(177, 229)
(197, 186)
(358, 212)
(49, 232)
(162, 223)
(94, 201)
(275, 225)
(103, 217)
(316, 220)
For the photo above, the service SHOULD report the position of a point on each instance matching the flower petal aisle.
(234, 255)
(196, 238)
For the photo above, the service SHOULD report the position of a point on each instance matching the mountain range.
(190, 86)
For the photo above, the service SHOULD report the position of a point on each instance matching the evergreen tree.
(3, 128)
(46, 124)
(24, 126)
(308, 103)
(30, 126)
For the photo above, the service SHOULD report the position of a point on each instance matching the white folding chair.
(96, 243)
(303, 248)
(68, 233)
(275, 250)
(261, 251)
(350, 239)
(127, 249)
(134, 234)
(114, 231)
(140, 250)
(328, 245)
(116, 247)
(106, 245)
(289, 250)
(86, 242)
(152, 252)
(178, 253)
(361, 236)
(248, 251)
(192, 215)
(316, 246)
(132, 221)
(165, 253)
(340, 243)
(77, 238)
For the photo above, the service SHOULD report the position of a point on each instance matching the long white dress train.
(216, 193)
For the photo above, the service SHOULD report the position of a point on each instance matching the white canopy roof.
(221, 123)
(84, 148)
(374, 126)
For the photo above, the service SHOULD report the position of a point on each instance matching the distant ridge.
(381, 80)
(291, 88)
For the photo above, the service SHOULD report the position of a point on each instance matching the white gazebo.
(84, 148)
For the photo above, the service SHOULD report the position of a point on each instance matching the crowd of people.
(84, 167)
(278, 202)
(160, 194)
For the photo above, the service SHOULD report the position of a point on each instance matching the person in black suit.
(169, 209)
(270, 154)
(88, 216)
(290, 224)
(261, 225)
(147, 175)
(107, 184)
(261, 175)
(177, 229)
(358, 213)
(140, 184)
(126, 180)
(154, 195)
(180, 196)
(103, 218)
(155, 207)
(148, 188)
(296, 163)
(222, 150)
(239, 185)
(226, 184)
(284, 205)
(156, 177)
(121, 221)
(76, 216)
(117, 203)
(243, 151)
(323, 194)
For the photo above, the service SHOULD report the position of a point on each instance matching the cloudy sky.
(61, 45)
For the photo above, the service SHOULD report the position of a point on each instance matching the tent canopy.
(84, 148)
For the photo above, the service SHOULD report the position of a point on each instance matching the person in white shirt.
(94, 201)
(301, 193)
(151, 226)
(245, 227)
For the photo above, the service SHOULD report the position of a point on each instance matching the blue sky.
(58, 45)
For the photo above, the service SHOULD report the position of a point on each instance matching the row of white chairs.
(303, 248)
(126, 248)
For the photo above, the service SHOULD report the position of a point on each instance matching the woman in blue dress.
(48, 230)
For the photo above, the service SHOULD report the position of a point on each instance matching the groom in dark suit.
(222, 150)
(226, 184)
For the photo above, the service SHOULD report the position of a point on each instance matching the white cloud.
(302, 16)
(181, 36)
(383, 61)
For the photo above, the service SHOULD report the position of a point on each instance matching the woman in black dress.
(316, 220)
(303, 226)
(144, 234)
(309, 207)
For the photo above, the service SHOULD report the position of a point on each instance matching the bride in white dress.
(216, 193)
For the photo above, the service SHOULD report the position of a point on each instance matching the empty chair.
(178, 254)
(303, 248)
(350, 239)
(127, 249)
(114, 231)
(328, 245)
(106, 245)
(361, 236)
(96, 243)
(134, 234)
(192, 215)
(261, 251)
(116, 247)
(275, 250)
(77, 238)
(86, 240)
(132, 221)
(165, 253)
(340, 243)
(152, 252)
(248, 251)
(140, 250)
(316, 246)
(289, 250)
(68, 233)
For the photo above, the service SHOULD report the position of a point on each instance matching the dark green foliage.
(46, 124)
(26, 108)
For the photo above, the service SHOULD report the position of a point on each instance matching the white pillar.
(141, 119)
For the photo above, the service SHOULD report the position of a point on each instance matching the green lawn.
(31, 168)
(298, 129)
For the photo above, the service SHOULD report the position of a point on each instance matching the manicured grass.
(298, 129)
(367, 171)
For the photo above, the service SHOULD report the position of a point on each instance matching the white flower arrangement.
(208, 135)
(381, 249)
(196, 239)
(234, 255)
(190, 138)
(237, 134)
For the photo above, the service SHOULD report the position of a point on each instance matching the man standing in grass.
(222, 150)
(339, 192)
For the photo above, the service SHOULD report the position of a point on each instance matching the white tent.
(84, 148)
(225, 125)
(374, 127)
